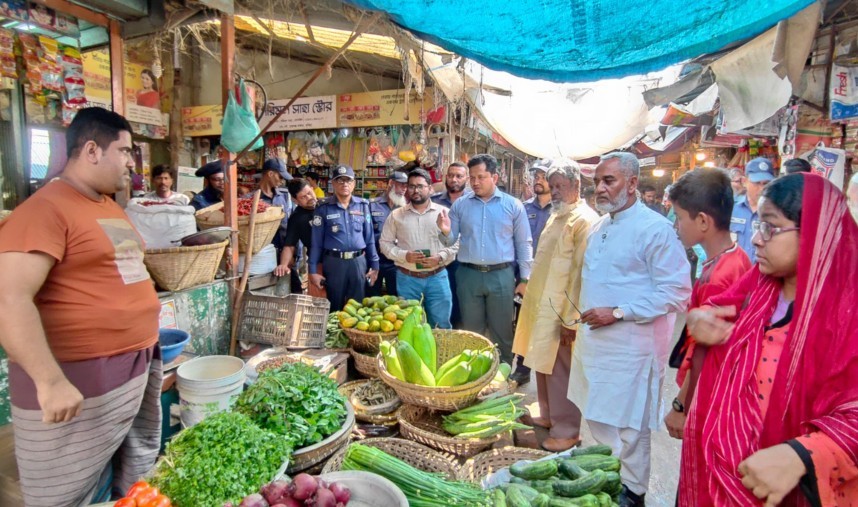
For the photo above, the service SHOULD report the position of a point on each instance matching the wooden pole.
(230, 173)
(117, 80)
(248, 256)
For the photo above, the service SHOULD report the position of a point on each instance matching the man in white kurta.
(635, 273)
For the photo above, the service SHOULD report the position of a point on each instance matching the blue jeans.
(435, 290)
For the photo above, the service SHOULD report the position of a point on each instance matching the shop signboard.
(388, 107)
(307, 113)
(199, 121)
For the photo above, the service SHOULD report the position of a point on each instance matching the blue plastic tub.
(172, 341)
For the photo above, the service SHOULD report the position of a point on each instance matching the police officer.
(213, 193)
(380, 208)
(274, 173)
(758, 173)
(343, 241)
(538, 207)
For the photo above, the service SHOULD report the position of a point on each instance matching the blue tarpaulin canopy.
(584, 40)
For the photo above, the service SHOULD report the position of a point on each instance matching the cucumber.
(498, 498)
(515, 498)
(526, 491)
(535, 470)
(543, 486)
(590, 462)
(604, 499)
(604, 450)
(519, 480)
(569, 470)
(583, 501)
(541, 501)
(614, 485)
(589, 484)
(414, 368)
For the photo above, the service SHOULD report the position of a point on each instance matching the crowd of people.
(767, 364)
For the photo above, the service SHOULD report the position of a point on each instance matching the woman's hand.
(708, 325)
(772, 473)
(675, 422)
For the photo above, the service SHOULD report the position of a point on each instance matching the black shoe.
(520, 379)
(629, 499)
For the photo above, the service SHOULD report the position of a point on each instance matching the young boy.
(703, 202)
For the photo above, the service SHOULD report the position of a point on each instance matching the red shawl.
(816, 387)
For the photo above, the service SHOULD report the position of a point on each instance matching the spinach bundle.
(223, 458)
(295, 401)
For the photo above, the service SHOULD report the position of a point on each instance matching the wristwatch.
(618, 313)
(678, 406)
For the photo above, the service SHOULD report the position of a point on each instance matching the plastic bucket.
(208, 385)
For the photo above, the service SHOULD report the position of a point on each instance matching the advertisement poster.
(47, 18)
(198, 121)
(96, 75)
(388, 107)
(14, 9)
(307, 113)
(142, 94)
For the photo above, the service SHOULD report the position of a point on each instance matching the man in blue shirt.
(380, 208)
(456, 183)
(538, 207)
(343, 242)
(494, 234)
(213, 193)
(274, 173)
(758, 173)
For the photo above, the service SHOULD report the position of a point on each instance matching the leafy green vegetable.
(295, 401)
(223, 458)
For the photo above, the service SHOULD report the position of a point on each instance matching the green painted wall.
(202, 311)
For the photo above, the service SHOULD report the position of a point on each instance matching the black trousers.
(344, 279)
(387, 274)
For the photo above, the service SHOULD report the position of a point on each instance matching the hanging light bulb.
(657, 173)
(709, 164)
(700, 156)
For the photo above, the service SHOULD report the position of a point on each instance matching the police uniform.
(380, 209)
(537, 216)
(743, 221)
(344, 243)
(208, 196)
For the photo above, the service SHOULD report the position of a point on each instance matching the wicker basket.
(485, 463)
(424, 426)
(390, 419)
(264, 230)
(181, 267)
(365, 341)
(308, 457)
(294, 321)
(449, 343)
(414, 454)
(366, 365)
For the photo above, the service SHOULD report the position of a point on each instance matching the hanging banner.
(375, 109)
(198, 121)
(307, 113)
(844, 92)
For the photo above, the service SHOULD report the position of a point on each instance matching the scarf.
(816, 385)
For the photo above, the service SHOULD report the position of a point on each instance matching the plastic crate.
(293, 321)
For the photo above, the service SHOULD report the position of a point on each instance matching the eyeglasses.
(767, 232)
(567, 324)
(417, 187)
(343, 181)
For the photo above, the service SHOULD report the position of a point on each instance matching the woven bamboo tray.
(389, 419)
(477, 468)
(365, 341)
(265, 228)
(424, 426)
(366, 365)
(414, 454)
(307, 457)
(182, 267)
(449, 343)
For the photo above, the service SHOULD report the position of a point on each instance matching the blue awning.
(584, 40)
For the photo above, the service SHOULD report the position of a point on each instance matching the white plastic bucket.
(208, 385)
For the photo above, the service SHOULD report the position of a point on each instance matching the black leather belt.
(485, 269)
(344, 255)
(421, 274)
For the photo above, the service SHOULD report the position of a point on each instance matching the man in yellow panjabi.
(547, 323)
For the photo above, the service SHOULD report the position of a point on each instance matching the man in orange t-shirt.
(80, 326)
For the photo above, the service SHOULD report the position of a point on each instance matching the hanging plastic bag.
(829, 163)
(239, 123)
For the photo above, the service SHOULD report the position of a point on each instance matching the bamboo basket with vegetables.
(384, 419)
(365, 363)
(268, 220)
(426, 427)
(412, 453)
(480, 466)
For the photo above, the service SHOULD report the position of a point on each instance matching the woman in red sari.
(775, 417)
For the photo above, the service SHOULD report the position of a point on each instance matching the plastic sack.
(829, 163)
(239, 123)
(262, 262)
(161, 226)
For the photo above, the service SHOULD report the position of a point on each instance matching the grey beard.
(395, 199)
(614, 205)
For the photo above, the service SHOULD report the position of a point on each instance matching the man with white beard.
(635, 273)
(380, 208)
